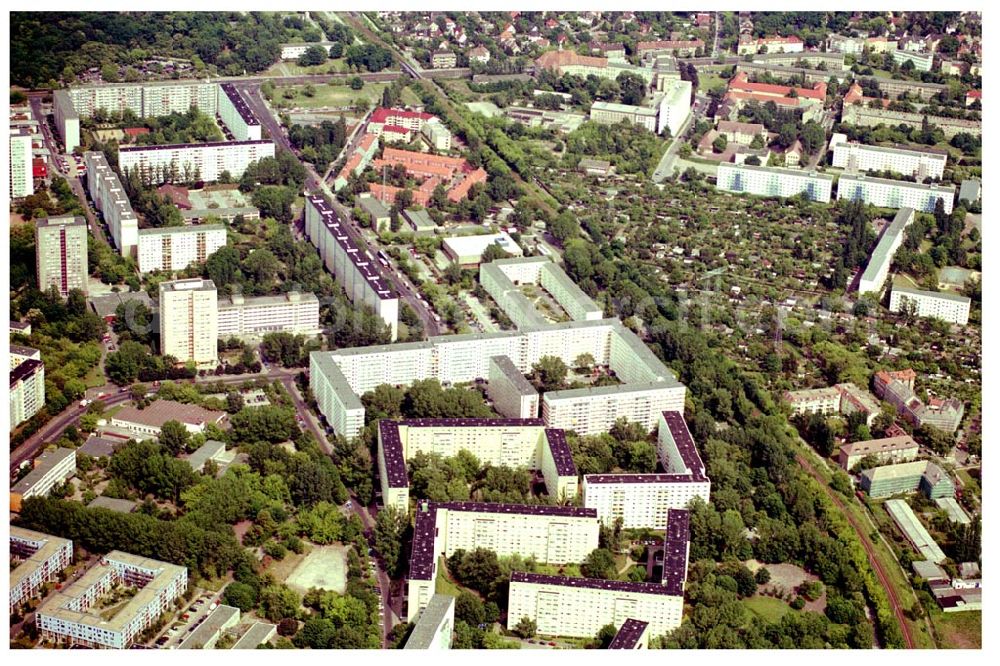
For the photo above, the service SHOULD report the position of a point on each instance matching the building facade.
(951, 308)
(22, 180)
(610, 113)
(61, 253)
(176, 248)
(774, 182)
(39, 558)
(434, 627)
(855, 157)
(293, 312)
(27, 391)
(189, 321)
(886, 193)
(877, 270)
(50, 469)
(673, 107)
(192, 161)
(109, 198)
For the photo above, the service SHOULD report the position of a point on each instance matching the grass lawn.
(95, 377)
(410, 98)
(215, 584)
(282, 569)
(708, 81)
(768, 608)
(967, 479)
(959, 630)
(293, 68)
(335, 96)
(444, 585)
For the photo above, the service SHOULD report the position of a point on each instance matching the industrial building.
(435, 625)
(50, 469)
(854, 157)
(877, 270)
(146, 423)
(524, 443)
(941, 305)
(468, 250)
(189, 321)
(355, 269)
(61, 253)
(252, 317)
(886, 193)
(176, 248)
(72, 615)
(914, 531)
(108, 195)
(774, 182)
(550, 534)
(38, 559)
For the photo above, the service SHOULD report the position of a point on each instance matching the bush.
(798, 603)
(288, 627)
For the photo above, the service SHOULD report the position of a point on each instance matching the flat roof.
(779, 171)
(392, 454)
(207, 144)
(863, 178)
(941, 295)
(230, 302)
(854, 145)
(44, 464)
(684, 442)
(515, 376)
(628, 635)
(424, 534)
(190, 284)
(889, 235)
(100, 447)
(258, 633)
(106, 305)
(590, 583)
(21, 350)
(205, 452)
(562, 456)
(471, 422)
(518, 509)
(476, 244)
(902, 470)
(62, 221)
(210, 626)
(160, 411)
(430, 619)
(240, 104)
(363, 263)
(373, 206)
(639, 478)
(675, 550)
(420, 219)
(47, 544)
(187, 229)
(914, 530)
(623, 108)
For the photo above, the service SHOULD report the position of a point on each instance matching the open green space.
(959, 630)
(443, 584)
(708, 81)
(327, 96)
(293, 68)
(768, 608)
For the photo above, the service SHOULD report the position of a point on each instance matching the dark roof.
(242, 107)
(362, 261)
(469, 423)
(685, 444)
(628, 636)
(590, 583)
(19, 325)
(424, 533)
(392, 454)
(100, 447)
(561, 453)
(525, 509)
(640, 478)
(25, 370)
(675, 550)
(207, 144)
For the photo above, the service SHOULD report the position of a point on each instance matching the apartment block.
(774, 182)
(50, 469)
(887, 450)
(632, 635)
(189, 321)
(854, 157)
(192, 161)
(773, 44)
(512, 394)
(38, 559)
(236, 114)
(907, 477)
(504, 278)
(293, 312)
(176, 248)
(22, 181)
(814, 401)
(437, 135)
(550, 534)
(673, 108)
(434, 627)
(355, 269)
(61, 253)
(27, 390)
(610, 113)
(898, 389)
(75, 615)
(108, 195)
(877, 270)
(524, 443)
(922, 62)
(942, 305)
(886, 193)
(569, 62)
(679, 47)
(67, 119)
(646, 500)
(865, 116)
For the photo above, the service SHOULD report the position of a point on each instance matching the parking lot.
(189, 620)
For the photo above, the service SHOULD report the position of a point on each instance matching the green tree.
(241, 596)
(174, 436)
(600, 563)
(526, 627)
(278, 602)
(391, 526)
(549, 373)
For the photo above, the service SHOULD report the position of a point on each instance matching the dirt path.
(897, 607)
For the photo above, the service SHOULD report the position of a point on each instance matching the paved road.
(862, 532)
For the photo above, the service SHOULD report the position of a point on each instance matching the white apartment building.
(551, 534)
(355, 269)
(39, 558)
(594, 410)
(22, 180)
(193, 161)
(877, 270)
(27, 391)
(72, 615)
(109, 198)
(888, 450)
(814, 401)
(674, 107)
(611, 113)
(176, 248)
(855, 157)
(189, 321)
(296, 51)
(50, 469)
(519, 443)
(579, 607)
(941, 305)
(512, 394)
(61, 253)
(922, 61)
(646, 500)
(236, 114)
(895, 193)
(774, 182)
(503, 278)
(434, 627)
(67, 119)
(437, 135)
(293, 312)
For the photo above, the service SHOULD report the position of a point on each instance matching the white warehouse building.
(855, 157)
(941, 305)
(774, 182)
(895, 193)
